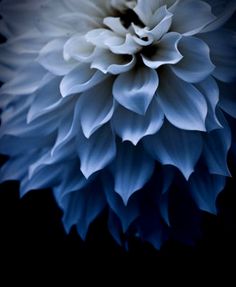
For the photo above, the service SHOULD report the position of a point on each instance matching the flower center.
(128, 17)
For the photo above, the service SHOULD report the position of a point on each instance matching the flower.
(111, 103)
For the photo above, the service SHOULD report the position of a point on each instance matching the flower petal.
(205, 188)
(135, 89)
(51, 58)
(175, 147)
(183, 21)
(222, 44)
(107, 62)
(183, 105)
(80, 79)
(132, 127)
(96, 152)
(132, 169)
(99, 102)
(216, 146)
(166, 52)
(210, 90)
(196, 64)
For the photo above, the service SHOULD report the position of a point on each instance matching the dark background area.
(31, 226)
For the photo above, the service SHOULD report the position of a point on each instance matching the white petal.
(77, 47)
(51, 58)
(26, 81)
(196, 64)
(133, 127)
(132, 169)
(96, 152)
(114, 23)
(183, 105)
(166, 52)
(80, 79)
(107, 62)
(185, 22)
(135, 89)
(172, 146)
(210, 90)
(96, 107)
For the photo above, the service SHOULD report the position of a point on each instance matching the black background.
(32, 226)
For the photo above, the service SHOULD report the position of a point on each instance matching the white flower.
(103, 97)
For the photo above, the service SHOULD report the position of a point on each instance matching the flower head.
(111, 102)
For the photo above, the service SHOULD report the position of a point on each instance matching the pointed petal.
(183, 105)
(216, 146)
(222, 44)
(205, 188)
(133, 127)
(96, 152)
(183, 20)
(126, 213)
(196, 64)
(210, 90)
(135, 89)
(82, 207)
(132, 169)
(80, 79)
(26, 81)
(51, 58)
(172, 146)
(99, 102)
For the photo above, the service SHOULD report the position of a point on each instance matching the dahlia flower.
(111, 103)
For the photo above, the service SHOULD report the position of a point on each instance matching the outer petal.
(185, 23)
(132, 169)
(227, 100)
(216, 146)
(51, 58)
(96, 152)
(82, 207)
(210, 90)
(175, 147)
(80, 79)
(135, 89)
(132, 127)
(196, 64)
(222, 45)
(99, 102)
(183, 105)
(205, 188)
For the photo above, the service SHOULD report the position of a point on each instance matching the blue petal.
(96, 152)
(133, 127)
(216, 146)
(132, 169)
(135, 89)
(205, 188)
(82, 207)
(196, 64)
(126, 213)
(80, 79)
(175, 147)
(227, 99)
(222, 44)
(210, 90)
(183, 105)
(186, 23)
(96, 107)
